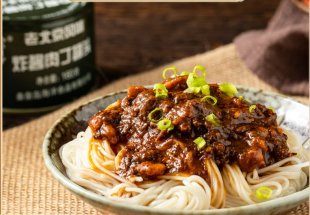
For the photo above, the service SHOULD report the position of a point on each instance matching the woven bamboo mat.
(29, 188)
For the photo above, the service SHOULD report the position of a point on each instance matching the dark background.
(135, 37)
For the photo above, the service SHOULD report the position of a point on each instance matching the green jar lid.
(32, 10)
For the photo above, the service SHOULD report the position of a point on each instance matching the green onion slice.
(156, 115)
(165, 124)
(241, 97)
(229, 89)
(263, 193)
(160, 90)
(205, 89)
(200, 142)
(190, 79)
(174, 70)
(201, 69)
(184, 73)
(213, 119)
(171, 127)
(271, 108)
(192, 90)
(211, 97)
(195, 81)
(252, 107)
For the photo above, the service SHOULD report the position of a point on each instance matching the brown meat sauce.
(252, 140)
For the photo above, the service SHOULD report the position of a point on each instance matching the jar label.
(47, 66)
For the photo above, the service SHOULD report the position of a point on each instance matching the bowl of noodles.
(136, 151)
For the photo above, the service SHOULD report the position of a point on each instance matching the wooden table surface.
(134, 37)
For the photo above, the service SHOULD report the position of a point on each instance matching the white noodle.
(228, 188)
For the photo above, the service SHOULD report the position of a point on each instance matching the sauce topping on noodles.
(251, 140)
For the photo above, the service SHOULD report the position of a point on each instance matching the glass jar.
(48, 53)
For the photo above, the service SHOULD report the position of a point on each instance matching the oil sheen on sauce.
(250, 140)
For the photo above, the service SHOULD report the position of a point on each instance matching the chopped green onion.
(190, 79)
(156, 115)
(200, 142)
(192, 90)
(213, 119)
(205, 89)
(174, 70)
(263, 193)
(201, 69)
(229, 89)
(161, 91)
(271, 108)
(252, 107)
(195, 81)
(241, 97)
(184, 73)
(211, 97)
(165, 124)
(171, 127)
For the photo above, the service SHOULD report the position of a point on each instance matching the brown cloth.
(28, 186)
(279, 54)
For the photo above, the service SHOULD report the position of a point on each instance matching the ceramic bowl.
(292, 115)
